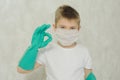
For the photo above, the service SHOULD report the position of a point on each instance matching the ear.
(54, 27)
(79, 28)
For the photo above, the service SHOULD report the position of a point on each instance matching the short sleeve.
(88, 60)
(41, 59)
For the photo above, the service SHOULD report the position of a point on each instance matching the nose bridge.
(67, 27)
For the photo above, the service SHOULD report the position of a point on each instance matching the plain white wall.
(100, 21)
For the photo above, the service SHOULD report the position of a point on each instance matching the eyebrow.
(70, 26)
(60, 25)
(73, 26)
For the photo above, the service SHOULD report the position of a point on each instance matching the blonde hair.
(66, 11)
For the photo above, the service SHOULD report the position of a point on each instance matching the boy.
(65, 59)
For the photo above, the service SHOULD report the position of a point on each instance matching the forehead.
(67, 22)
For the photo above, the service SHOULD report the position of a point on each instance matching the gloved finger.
(45, 43)
(38, 29)
(45, 27)
(49, 37)
(41, 29)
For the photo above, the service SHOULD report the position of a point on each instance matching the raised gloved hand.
(38, 36)
(90, 76)
(28, 60)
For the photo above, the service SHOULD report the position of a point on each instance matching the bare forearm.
(22, 71)
(87, 71)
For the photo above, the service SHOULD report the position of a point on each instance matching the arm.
(28, 61)
(87, 71)
(89, 75)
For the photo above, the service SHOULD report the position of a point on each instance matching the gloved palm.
(38, 37)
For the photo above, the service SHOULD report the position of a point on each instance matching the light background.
(100, 32)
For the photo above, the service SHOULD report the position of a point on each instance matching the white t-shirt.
(65, 63)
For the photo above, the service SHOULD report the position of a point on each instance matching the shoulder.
(83, 48)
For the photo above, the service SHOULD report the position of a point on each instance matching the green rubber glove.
(28, 60)
(91, 76)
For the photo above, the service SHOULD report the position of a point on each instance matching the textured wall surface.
(100, 32)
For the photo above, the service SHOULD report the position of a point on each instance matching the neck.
(70, 46)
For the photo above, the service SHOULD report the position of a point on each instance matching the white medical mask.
(66, 37)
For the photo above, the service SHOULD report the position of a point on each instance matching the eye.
(72, 28)
(62, 27)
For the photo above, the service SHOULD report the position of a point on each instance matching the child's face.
(68, 24)
(66, 31)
